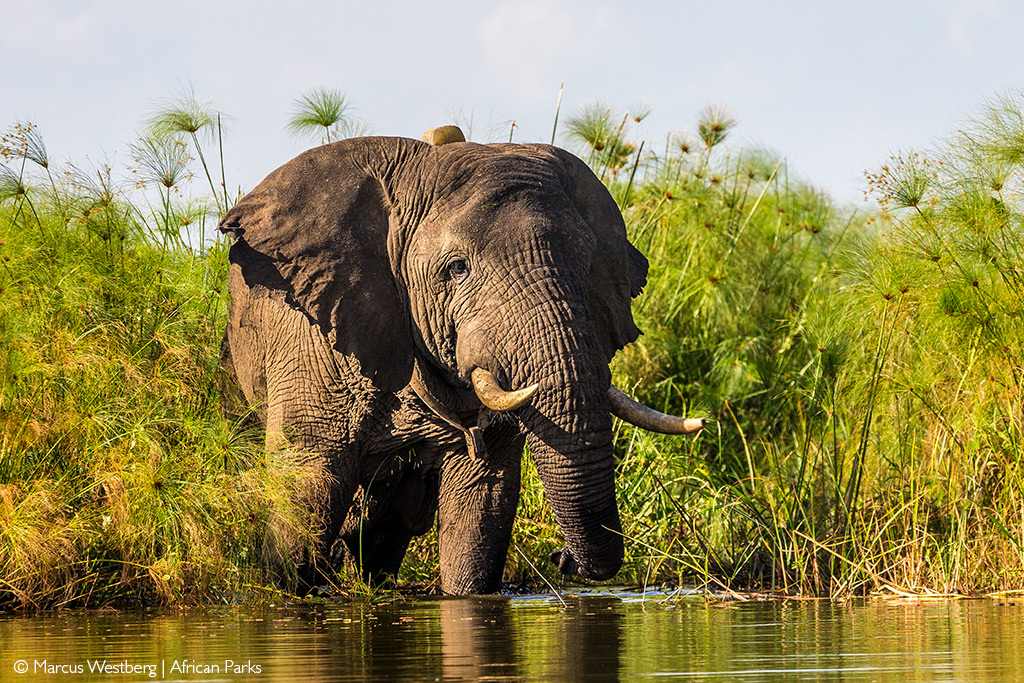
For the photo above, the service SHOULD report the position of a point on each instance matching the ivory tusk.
(494, 397)
(638, 414)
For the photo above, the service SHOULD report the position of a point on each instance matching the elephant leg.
(385, 519)
(379, 550)
(477, 507)
(315, 567)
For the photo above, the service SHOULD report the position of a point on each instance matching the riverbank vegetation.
(861, 374)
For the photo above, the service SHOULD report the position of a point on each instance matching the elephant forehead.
(477, 190)
(499, 216)
(494, 173)
(514, 201)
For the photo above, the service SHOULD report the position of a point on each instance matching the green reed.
(325, 113)
(120, 480)
(186, 116)
(861, 376)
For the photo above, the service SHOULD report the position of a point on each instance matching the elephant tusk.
(494, 397)
(639, 415)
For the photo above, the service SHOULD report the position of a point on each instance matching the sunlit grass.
(187, 116)
(325, 113)
(861, 376)
(120, 480)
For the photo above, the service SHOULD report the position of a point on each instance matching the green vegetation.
(323, 113)
(119, 478)
(862, 373)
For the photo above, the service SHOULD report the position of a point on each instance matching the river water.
(605, 636)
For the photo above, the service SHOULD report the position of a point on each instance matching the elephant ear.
(314, 235)
(618, 271)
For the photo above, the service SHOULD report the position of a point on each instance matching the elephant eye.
(458, 269)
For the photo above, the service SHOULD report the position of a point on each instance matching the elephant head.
(496, 280)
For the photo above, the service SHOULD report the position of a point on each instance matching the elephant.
(414, 313)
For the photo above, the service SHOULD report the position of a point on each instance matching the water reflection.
(603, 637)
(475, 640)
(591, 640)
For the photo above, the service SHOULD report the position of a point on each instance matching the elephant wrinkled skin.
(371, 277)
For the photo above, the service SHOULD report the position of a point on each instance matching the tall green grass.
(861, 373)
(119, 477)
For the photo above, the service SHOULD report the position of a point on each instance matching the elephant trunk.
(569, 432)
(568, 423)
(573, 454)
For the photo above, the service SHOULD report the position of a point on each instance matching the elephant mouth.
(490, 393)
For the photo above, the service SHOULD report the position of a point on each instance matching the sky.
(835, 87)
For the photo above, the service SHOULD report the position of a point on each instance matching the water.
(600, 637)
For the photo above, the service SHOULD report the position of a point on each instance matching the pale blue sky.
(834, 86)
